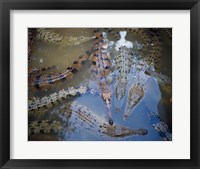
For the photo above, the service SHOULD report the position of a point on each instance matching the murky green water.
(156, 99)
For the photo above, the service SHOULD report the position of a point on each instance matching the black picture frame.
(7, 5)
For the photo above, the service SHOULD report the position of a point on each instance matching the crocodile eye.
(110, 121)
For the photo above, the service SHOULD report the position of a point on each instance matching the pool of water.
(156, 99)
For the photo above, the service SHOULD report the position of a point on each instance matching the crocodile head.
(120, 90)
(121, 131)
(135, 95)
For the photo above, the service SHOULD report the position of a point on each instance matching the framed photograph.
(97, 84)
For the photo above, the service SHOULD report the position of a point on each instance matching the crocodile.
(36, 103)
(48, 79)
(101, 67)
(160, 126)
(162, 79)
(135, 93)
(55, 38)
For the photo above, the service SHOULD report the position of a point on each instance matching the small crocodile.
(135, 95)
(161, 78)
(52, 37)
(101, 67)
(36, 103)
(160, 126)
(48, 79)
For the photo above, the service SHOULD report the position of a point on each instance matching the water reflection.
(100, 84)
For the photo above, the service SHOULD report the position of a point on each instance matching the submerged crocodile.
(52, 37)
(160, 126)
(136, 92)
(161, 78)
(36, 103)
(101, 66)
(48, 79)
(135, 95)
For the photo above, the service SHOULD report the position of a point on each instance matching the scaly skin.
(123, 62)
(46, 80)
(135, 95)
(101, 66)
(162, 79)
(160, 126)
(51, 37)
(36, 103)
